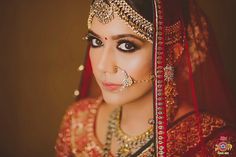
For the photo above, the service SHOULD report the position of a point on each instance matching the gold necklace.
(110, 130)
(127, 143)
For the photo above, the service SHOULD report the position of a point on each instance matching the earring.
(170, 93)
(174, 54)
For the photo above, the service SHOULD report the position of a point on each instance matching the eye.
(126, 46)
(94, 42)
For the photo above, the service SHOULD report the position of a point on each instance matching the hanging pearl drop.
(81, 68)
(76, 92)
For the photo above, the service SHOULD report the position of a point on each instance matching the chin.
(112, 98)
(125, 96)
(119, 98)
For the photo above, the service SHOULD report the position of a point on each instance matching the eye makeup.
(93, 40)
(126, 43)
(127, 46)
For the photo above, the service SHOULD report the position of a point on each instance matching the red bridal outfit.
(187, 69)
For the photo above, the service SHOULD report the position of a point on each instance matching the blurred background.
(41, 47)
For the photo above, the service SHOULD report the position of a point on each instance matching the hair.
(143, 7)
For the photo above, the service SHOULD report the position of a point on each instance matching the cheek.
(138, 66)
(94, 58)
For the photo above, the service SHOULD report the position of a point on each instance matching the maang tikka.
(105, 11)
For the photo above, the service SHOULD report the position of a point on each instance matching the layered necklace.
(127, 143)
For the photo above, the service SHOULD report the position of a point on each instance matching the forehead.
(116, 26)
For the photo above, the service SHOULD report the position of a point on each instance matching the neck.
(135, 115)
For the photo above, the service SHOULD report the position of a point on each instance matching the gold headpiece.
(105, 12)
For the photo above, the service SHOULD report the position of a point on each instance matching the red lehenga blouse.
(77, 135)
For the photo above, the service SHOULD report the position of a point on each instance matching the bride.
(146, 86)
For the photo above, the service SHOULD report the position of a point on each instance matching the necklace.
(110, 130)
(127, 143)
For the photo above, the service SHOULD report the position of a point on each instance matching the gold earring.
(170, 92)
(174, 54)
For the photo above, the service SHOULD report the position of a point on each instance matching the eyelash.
(134, 47)
(90, 40)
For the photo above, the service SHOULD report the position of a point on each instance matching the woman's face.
(115, 44)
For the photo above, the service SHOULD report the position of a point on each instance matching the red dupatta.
(200, 78)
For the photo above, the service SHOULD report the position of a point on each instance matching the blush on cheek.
(93, 59)
(140, 71)
(139, 65)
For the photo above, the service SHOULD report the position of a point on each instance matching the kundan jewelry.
(105, 12)
(128, 143)
(129, 81)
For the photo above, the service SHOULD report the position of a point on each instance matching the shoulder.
(77, 109)
(73, 124)
(81, 108)
(83, 105)
(79, 113)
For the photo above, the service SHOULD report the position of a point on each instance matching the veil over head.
(186, 65)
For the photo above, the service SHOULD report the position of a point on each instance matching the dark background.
(41, 47)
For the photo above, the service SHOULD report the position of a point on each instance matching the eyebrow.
(116, 37)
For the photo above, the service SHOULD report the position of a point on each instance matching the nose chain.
(129, 81)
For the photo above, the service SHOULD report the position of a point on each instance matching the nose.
(106, 62)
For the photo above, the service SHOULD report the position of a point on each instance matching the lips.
(111, 86)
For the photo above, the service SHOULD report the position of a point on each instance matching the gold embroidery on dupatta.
(198, 34)
(173, 33)
(185, 135)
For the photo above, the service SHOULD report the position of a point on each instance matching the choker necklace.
(127, 143)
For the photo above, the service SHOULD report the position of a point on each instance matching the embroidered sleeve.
(63, 142)
(70, 137)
